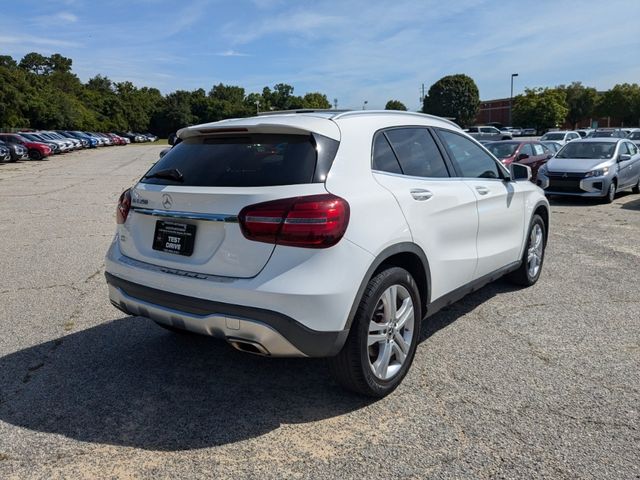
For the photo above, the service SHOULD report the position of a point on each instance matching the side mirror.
(519, 172)
(523, 156)
(624, 157)
(172, 139)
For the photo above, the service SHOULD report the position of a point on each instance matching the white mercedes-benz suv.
(323, 234)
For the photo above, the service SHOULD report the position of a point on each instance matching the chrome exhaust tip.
(247, 346)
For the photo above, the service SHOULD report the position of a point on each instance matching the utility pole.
(335, 103)
(511, 99)
(257, 107)
(364, 105)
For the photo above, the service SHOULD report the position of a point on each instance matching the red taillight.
(124, 204)
(316, 221)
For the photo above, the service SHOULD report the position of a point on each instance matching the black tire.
(35, 154)
(352, 368)
(523, 275)
(636, 188)
(611, 193)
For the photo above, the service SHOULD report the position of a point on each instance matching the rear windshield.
(257, 160)
(554, 136)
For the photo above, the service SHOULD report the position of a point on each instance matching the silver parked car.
(560, 136)
(598, 167)
(634, 136)
(491, 134)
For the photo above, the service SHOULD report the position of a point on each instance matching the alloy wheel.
(391, 331)
(536, 245)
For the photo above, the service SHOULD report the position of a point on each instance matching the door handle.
(421, 194)
(482, 190)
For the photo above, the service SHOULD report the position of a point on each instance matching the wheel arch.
(542, 210)
(406, 255)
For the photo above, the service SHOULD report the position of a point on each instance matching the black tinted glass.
(417, 152)
(383, 157)
(472, 160)
(244, 161)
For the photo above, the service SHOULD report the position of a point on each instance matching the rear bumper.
(267, 332)
(302, 298)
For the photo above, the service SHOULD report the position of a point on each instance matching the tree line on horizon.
(457, 97)
(42, 92)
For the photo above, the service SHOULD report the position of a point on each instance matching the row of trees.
(42, 92)
(549, 107)
(457, 97)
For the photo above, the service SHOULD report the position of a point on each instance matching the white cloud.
(67, 17)
(27, 40)
(232, 53)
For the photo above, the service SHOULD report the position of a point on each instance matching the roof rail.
(354, 113)
(301, 110)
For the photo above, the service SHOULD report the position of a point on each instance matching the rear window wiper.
(169, 174)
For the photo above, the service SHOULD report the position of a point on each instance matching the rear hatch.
(184, 212)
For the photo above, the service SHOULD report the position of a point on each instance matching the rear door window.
(538, 149)
(526, 149)
(242, 161)
(417, 152)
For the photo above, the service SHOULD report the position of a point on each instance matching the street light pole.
(511, 99)
(364, 105)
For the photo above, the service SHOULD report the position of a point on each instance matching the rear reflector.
(315, 221)
(124, 205)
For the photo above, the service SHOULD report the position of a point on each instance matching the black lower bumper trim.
(312, 343)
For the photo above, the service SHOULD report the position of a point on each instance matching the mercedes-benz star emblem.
(167, 201)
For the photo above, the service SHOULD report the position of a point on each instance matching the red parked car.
(37, 151)
(530, 153)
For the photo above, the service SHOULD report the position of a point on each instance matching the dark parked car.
(5, 154)
(36, 150)
(16, 151)
(532, 154)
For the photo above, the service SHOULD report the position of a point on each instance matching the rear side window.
(526, 149)
(257, 160)
(472, 161)
(417, 152)
(384, 159)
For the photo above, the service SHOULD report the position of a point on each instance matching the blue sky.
(352, 50)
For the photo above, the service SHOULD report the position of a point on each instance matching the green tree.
(454, 96)
(623, 102)
(540, 108)
(581, 102)
(35, 63)
(7, 61)
(395, 105)
(315, 100)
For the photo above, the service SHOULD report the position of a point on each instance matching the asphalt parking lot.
(509, 383)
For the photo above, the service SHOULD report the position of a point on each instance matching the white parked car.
(561, 136)
(323, 234)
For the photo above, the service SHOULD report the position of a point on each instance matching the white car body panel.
(463, 234)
